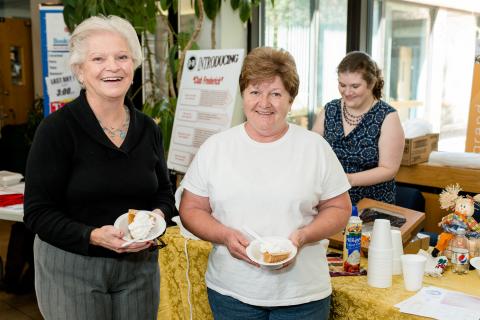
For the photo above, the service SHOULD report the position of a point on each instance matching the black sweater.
(77, 179)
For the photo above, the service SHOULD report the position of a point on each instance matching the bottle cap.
(354, 211)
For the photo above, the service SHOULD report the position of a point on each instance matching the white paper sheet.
(442, 304)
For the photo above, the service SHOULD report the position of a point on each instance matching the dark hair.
(264, 63)
(358, 61)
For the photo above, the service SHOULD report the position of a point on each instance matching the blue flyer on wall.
(59, 85)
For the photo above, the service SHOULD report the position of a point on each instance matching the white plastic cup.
(381, 237)
(413, 268)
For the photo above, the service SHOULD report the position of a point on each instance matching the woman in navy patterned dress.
(364, 131)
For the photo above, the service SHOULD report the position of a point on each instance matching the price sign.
(61, 90)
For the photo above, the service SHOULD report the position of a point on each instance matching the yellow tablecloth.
(352, 298)
(174, 297)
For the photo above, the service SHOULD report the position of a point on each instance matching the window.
(427, 54)
(314, 32)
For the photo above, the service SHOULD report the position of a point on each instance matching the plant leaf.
(211, 8)
(165, 4)
(235, 4)
(245, 10)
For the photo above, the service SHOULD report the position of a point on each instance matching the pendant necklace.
(121, 132)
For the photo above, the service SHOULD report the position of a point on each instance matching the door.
(16, 81)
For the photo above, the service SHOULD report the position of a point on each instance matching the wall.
(37, 54)
(15, 9)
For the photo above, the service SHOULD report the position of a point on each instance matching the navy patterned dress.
(358, 151)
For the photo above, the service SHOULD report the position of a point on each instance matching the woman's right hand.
(236, 244)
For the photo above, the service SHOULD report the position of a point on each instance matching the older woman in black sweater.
(90, 162)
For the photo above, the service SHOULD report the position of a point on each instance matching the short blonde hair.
(97, 24)
(264, 63)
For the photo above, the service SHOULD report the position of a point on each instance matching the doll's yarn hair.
(449, 196)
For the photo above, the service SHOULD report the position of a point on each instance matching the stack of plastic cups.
(397, 245)
(380, 255)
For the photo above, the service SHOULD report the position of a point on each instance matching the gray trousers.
(72, 286)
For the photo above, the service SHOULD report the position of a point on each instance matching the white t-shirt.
(274, 189)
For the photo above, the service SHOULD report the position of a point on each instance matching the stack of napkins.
(8, 178)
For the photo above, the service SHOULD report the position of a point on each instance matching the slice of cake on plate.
(274, 252)
(140, 223)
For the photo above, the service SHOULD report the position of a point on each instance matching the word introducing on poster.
(206, 101)
(60, 86)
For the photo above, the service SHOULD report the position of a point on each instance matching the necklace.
(121, 132)
(351, 119)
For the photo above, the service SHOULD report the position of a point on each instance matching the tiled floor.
(15, 307)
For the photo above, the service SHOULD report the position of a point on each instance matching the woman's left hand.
(112, 238)
(298, 238)
(136, 246)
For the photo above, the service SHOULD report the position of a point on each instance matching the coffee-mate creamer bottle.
(352, 243)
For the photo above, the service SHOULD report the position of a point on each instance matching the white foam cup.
(413, 268)
(397, 267)
(397, 251)
(381, 237)
(379, 272)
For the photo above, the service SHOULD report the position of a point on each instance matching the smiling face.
(107, 71)
(465, 206)
(355, 91)
(266, 105)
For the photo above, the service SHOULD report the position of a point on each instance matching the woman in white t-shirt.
(278, 179)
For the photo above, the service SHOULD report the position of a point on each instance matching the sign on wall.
(206, 101)
(59, 86)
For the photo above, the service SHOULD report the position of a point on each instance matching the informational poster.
(60, 86)
(206, 101)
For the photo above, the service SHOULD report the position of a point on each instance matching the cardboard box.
(420, 241)
(418, 149)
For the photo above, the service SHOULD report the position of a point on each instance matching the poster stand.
(206, 102)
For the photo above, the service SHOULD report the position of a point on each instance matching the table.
(12, 213)
(174, 293)
(352, 298)
(437, 176)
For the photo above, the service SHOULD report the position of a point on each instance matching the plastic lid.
(354, 211)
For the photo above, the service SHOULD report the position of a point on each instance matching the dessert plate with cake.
(140, 225)
(271, 252)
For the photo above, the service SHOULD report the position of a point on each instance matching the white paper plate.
(158, 228)
(254, 253)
